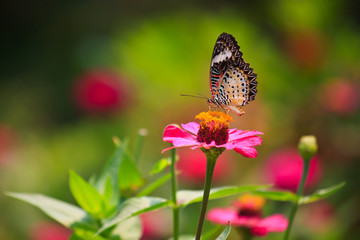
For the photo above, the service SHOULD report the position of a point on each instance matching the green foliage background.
(163, 49)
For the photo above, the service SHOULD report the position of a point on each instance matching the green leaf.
(212, 233)
(186, 197)
(86, 195)
(133, 207)
(129, 176)
(111, 170)
(321, 194)
(225, 233)
(277, 195)
(81, 234)
(129, 229)
(184, 237)
(154, 185)
(62, 212)
(160, 166)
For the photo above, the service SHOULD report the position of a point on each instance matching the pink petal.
(192, 127)
(246, 146)
(222, 216)
(246, 221)
(172, 132)
(249, 152)
(238, 134)
(178, 137)
(274, 223)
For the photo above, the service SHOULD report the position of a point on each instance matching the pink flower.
(49, 231)
(101, 92)
(213, 131)
(284, 169)
(320, 217)
(247, 214)
(153, 225)
(192, 166)
(341, 97)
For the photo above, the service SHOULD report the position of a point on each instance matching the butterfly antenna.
(195, 96)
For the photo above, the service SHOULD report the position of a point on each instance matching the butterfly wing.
(231, 78)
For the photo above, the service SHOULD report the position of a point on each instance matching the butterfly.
(232, 81)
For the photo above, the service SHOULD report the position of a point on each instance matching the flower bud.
(307, 147)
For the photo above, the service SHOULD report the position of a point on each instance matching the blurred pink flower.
(340, 96)
(49, 231)
(306, 48)
(320, 216)
(7, 143)
(248, 214)
(153, 225)
(284, 169)
(192, 166)
(101, 92)
(242, 142)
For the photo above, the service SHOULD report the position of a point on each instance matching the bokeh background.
(73, 74)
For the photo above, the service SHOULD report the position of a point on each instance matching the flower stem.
(299, 194)
(175, 208)
(210, 166)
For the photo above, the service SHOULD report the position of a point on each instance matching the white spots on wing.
(222, 56)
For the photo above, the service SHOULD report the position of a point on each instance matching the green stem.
(139, 143)
(299, 194)
(175, 208)
(210, 165)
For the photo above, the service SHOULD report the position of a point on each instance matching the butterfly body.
(232, 81)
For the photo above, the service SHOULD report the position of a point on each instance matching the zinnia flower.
(340, 96)
(49, 231)
(247, 214)
(284, 169)
(213, 131)
(101, 92)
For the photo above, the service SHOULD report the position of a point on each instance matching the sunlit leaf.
(225, 233)
(186, 197)
(129, 176)
(154, 185)
(129, 229)
(277, 195)
(86, 195)
(321, 194)
(133, 207)
(160, 166)
(62, 212)
(111, 170)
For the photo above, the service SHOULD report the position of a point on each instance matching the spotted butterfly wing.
(232, 81)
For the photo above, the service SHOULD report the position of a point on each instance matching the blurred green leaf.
(62, 212)
(129, 229)
(322, 193)
(129, 176)
(133, 207)
(86, 195)
(186, 197)
(277, 195)
(160, 166)
(184, 237)
(154, 185)
(81, 234)
(225, 233)
(215, 231)
(111, 170)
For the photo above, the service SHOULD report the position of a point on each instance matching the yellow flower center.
(250, 205)
(214, 126)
